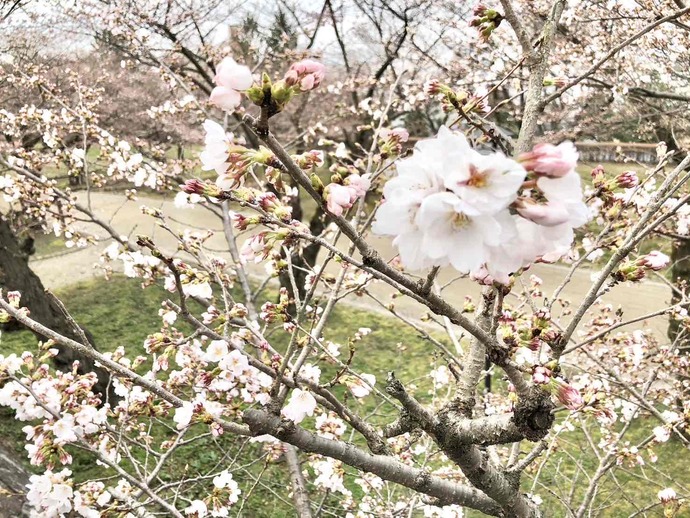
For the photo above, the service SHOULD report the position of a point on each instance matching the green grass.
(120, 313)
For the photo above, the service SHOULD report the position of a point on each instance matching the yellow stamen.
(478, 178)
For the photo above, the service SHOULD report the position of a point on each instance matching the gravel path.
(75, 266)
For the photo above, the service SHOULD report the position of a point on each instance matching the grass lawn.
(119, 313)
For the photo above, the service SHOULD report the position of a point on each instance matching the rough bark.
(13, 481)
(446, 491)
(16, 275)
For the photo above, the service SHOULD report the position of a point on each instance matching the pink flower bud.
(307, 73)
(627, 180)
(569, 396)
(541, 375)
(359, 184)
(654, 261)
(547, 214)
(339, 198)
(231, 79)
(268, 201)
(230, 74)
(480, 10)
(482, 276)
(558, 82)
(549, 160)
(193, 186)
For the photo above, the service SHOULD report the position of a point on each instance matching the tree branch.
(523, 37)
(262, 423)
(300, 495)
(371, 260)
(612, 53)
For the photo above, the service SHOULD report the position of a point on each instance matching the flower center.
(459, 221)
(477, 178)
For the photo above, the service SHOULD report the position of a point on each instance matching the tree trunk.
(680, 252)
(16, 275)
(13, 481)
(680, 270)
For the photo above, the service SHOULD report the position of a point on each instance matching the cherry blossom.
(361, 387)
(225, 481)
(329, 426)
(566, 192)
(456, 233)
(307, 73)
(301, 405)
(234, 362)
(654, 260)
(183, 414)
(197, 508)
(216, 149)
(311, 372)
(546, 214)
(486, 183)
(551, 161)
(231, 79)
(51, 493)
(216, 350)
(329, 475)
(339, 198)
(64, 430)
(449, 204)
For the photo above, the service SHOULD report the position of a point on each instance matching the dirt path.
(62, 270)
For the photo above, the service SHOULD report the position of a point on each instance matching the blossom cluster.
(484, 214)
(233, 79)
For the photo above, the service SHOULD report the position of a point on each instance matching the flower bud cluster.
(636, 270)
(485, 20)
(458, 100)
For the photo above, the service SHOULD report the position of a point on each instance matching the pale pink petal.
(225, 98)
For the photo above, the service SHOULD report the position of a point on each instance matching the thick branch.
(261, 423)
(538, 66)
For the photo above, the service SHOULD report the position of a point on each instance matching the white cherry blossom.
(215, 153)
(361, 387)
(216, 350)
(301, 405)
